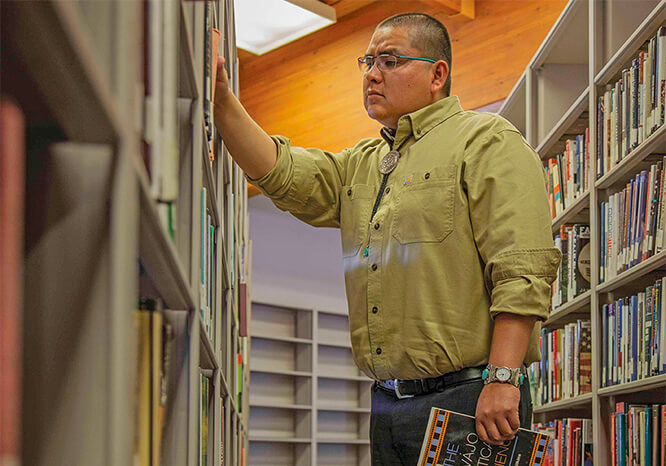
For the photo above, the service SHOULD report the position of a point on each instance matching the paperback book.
(451, 440)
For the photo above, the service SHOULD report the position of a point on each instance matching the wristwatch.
(503, 375)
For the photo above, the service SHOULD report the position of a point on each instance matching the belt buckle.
(396, 388)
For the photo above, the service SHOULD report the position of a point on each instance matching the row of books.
(632, 223)
(634, 107)
(638, 435)
(571, 442)
(154, 349)
(634, 336)
(209, 273)
(573, 276)
(568, 173)
(565, 369)
(204, 402)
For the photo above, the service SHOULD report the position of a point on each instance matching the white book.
(606, 129)
(153, 99)
(648, 89)
(613, 128)
(169, 110)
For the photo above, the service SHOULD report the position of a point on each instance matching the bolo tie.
(386, 166)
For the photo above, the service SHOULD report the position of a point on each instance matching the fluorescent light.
(264, 25)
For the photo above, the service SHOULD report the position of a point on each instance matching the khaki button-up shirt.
(462, 233)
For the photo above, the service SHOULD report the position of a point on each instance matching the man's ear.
(441, 72)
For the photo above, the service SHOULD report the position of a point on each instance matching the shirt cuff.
(275, 184)
(521, 281)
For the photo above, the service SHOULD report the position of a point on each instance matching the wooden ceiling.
(310, 89)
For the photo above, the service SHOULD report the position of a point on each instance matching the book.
(451, 439)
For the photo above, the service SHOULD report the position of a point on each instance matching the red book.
(12, 179)
(574, 424)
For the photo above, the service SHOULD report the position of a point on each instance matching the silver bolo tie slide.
(388, 163)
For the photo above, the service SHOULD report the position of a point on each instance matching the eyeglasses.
(385, 61)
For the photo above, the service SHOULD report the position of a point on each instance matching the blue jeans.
(397, 427)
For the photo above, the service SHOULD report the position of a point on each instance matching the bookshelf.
(123, 202)
(309, 403)
(556, 99)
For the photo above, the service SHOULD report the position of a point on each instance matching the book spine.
(641, 97)
(12, 189)
(660, 208)
(600, 132)
(634, 103)
(604, 346)
(661, 82)
(586, 162)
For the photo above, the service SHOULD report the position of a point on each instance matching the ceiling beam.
(465, 9)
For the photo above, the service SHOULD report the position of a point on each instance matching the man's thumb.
(220, 69)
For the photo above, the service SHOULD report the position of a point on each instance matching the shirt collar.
(420, 122)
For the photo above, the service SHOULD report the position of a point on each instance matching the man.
(445, 234)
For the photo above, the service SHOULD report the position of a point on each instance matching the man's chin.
(376, 114)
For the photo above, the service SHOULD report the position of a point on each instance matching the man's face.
(387, 95)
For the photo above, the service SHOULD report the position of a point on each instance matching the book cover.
(451, 439)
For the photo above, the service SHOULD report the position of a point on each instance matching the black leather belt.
(409, 388)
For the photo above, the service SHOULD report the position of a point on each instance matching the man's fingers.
(494, 436)
(514, 421)
(481, 432)
(505, 429)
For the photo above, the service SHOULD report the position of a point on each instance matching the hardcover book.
(451, 440)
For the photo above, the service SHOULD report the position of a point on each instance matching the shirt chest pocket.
(424, 208)
(355, 209)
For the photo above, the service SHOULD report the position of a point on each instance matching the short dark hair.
(428, 35)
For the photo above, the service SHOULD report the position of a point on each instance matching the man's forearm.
(249, 145)
(511, 337)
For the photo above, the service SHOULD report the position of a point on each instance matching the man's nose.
(373, 74)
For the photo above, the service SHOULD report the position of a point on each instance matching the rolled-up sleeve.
(305, 182)
(506, 190)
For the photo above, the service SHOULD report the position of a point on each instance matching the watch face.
(503, 374)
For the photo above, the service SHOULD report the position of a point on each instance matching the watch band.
(501, 374)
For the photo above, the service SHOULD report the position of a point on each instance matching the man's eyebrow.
(389, 51)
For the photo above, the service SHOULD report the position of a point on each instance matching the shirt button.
(374, 309)
(376, 226)
(427, 175)
(379, 351)
(349, 192)
(388, 190)
(374, 267)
